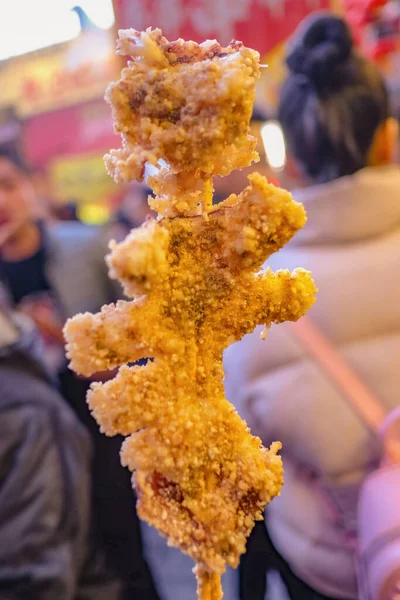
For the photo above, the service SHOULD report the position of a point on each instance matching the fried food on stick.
(202, 479)
(187, 104)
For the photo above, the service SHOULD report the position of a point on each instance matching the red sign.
(77, 129)
(64, 83)
(260, 24)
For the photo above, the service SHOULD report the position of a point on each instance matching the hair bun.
(321, 44)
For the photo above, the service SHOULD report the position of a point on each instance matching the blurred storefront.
(69, 144)
(52, 105)
(52, 99)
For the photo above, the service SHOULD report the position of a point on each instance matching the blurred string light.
(274, 145)
(28, 25)
(95, 214)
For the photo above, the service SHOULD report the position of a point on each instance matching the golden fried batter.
(187, 104)
(202, 479)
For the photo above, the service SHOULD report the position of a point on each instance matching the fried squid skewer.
(194, 275)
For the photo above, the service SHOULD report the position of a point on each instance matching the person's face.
(17, 199)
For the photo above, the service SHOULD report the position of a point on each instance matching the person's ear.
(385, 145)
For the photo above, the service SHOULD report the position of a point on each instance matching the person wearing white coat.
(334, 114)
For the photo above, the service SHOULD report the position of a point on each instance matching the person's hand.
(41, 311)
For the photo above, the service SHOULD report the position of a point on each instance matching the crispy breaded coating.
(202, 479)
(187, 104)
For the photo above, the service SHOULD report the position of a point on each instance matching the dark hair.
(11, 153)
(332, 101)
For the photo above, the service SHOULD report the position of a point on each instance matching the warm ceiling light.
(274, 145)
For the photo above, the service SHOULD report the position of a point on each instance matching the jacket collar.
(350, 209)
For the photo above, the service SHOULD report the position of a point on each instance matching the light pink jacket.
(351, 243)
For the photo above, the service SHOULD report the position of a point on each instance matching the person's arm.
(42, 314)
(37, 554)
(254, 382)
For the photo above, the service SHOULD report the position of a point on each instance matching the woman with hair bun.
(334, 106)
(334, 111)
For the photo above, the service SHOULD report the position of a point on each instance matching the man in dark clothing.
(47, 549)
(53, 272)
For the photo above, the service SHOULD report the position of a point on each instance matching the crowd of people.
(68, 525)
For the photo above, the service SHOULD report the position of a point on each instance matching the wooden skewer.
(208, 584)
(208, 196)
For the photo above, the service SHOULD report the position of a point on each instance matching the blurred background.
(52, 78)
